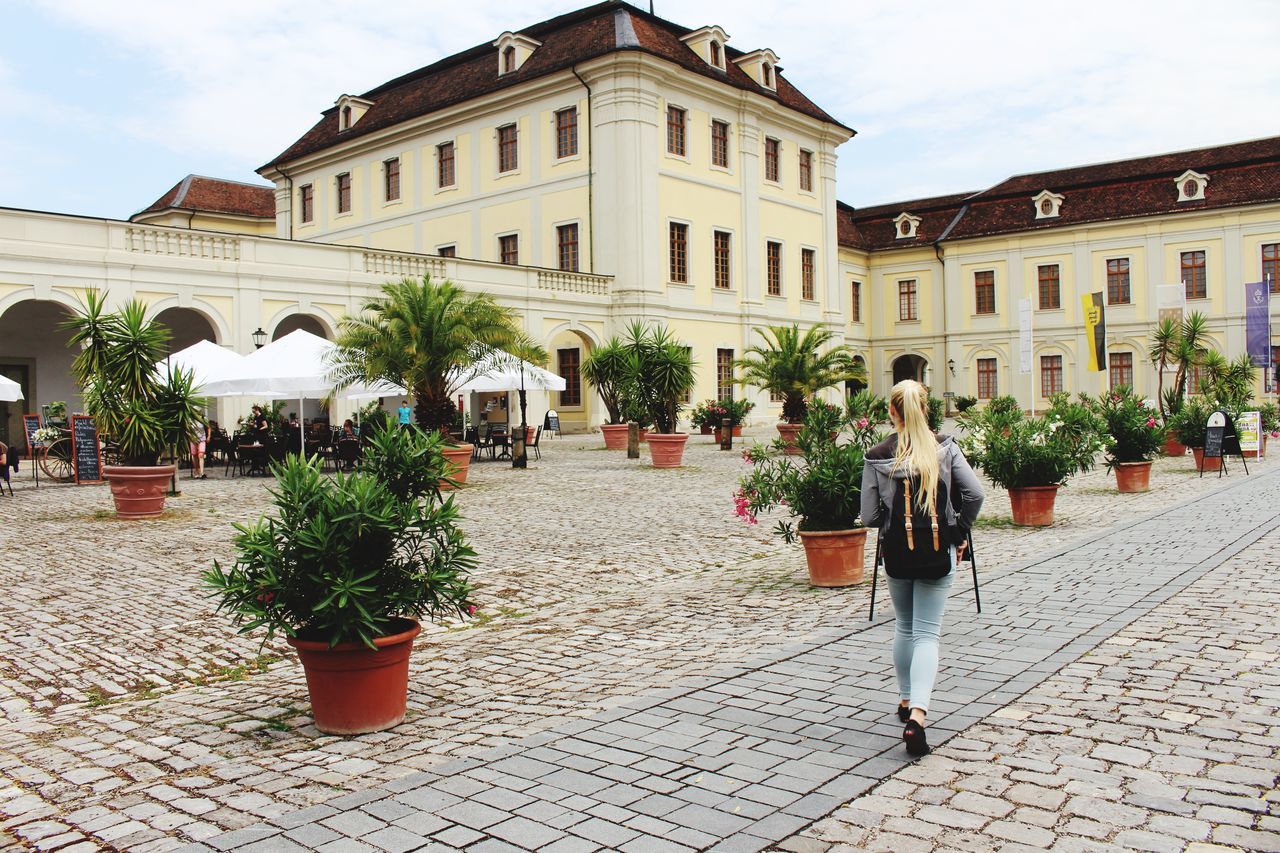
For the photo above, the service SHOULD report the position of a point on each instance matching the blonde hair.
(917, 450)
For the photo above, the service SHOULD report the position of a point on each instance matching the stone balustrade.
(186, 244)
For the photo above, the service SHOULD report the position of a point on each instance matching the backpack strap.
(906, 515)
(933, 520)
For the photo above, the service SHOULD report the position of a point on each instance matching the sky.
(108, 104)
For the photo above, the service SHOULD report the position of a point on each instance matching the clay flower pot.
(1033, 505)
(354, 690)
(138, 490)
(706, 430)
(835, 557)
(615, 436)
(1173, 447)
(1213, 463)
(459, 456)
(737, 432)
(1133, 476)
(667, 449)
(789, 433)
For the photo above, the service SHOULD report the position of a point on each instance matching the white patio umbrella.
(10, 391)
(508, 374)
(204, 359)
(295, 366)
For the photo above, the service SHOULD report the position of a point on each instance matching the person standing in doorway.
(199, 443)
(405, 413)
(920, 493)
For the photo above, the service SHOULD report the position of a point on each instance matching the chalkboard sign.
(1213, 437)
(551, 423)
(86, 455)
(31, 423)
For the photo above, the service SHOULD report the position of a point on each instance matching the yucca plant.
(608, 370)
(661, 374)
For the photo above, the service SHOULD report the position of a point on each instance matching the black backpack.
(917, 541)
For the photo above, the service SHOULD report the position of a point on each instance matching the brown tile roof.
(1239, 174)
(215, 195)
(567, 40)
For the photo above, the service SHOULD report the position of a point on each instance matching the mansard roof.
(566, 40)
(216, 195)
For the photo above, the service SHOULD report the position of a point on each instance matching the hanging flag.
(1095, 330)
(1257, 323)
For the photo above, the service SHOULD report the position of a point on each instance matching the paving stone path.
(752, 754)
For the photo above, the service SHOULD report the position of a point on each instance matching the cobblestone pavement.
(134, 718)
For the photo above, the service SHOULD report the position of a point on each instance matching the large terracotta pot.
(1213, 463)
(1033, 505)
(835, 557)
(667, 449)
(1173, 447)
(139, 490)
(354, 690)
(615, 436)
(789, 433)
(1133, 476)
(459, 456)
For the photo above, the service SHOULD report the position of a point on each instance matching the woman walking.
(199, 443)
(919, 491)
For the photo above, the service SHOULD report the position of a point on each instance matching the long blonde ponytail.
(917, 451)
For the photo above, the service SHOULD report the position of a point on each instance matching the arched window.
(508, 59)
(346, 118)
(766, 72)
(715, 53)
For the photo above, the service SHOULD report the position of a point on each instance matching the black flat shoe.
(913, 737)
(904, 713)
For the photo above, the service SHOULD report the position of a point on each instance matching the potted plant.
(864, 413)
(145, 410)
(1269, 416)
(965, 402)
(1189, 425)
(609, 370)
(1031, 457)
(702, 417)
(795, 367)
(662, 377)
(431, 338)
(346, 568)
(822, 496)
(1133, 437)
(735, 410)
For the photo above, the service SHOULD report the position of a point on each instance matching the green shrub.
(965, 403)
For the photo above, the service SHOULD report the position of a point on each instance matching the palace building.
(607, 165)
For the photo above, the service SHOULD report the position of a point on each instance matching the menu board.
(86, 455)
(31, 423)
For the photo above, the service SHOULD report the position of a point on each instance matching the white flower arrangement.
(46, 435)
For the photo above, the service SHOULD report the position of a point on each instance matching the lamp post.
(951, 365)
(259, 338)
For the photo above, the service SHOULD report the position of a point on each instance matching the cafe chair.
(533, 445)
(348, 453)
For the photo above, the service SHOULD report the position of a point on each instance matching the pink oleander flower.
(1151, 422)
(471, 609)
(863, 423)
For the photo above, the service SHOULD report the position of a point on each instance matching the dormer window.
(350, 110)
(905, 226)
(345, 121)
(513, 51)
(762, 67)
(715, 55)
(709, 43)
(1048, 204)
(1191, 186)
(766, 75)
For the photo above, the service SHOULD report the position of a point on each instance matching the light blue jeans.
(918, 607)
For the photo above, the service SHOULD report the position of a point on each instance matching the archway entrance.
(853, 386)
(299, 321)
(909, 367)
(186, 327)
(34, 353)
(576, 403)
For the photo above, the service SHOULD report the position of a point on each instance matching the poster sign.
(31, 423)
(1170, 300)
(1249, 427)
(1257, 323)
(1095, 330)
(86, 453)
(1024, 336)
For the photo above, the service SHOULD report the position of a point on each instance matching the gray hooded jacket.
(879, 485)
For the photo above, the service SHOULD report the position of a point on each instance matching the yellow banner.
(1095, 331)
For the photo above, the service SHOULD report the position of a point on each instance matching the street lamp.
(259, 338)
(951, 365)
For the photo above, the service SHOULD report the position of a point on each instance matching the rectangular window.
(907, 299)
(679, 239)
(675, 131)
(771, 150)
(806, 274)
(855, 304)
(721, 252)
(773, 267)
(720, 144)
(391, 179)
(567, 132)
(344, 192)
(724, 374)
(569, 361)
(447, 251)
(1050, 375)
(806, 170)
(984, 292)
(444, 164)
(1121, 365)
(1271, 265)
(986, 378)
(509, 248)
(306, 201)
(1193, 275)
(567, 246)
(1050, 287)
(1118, 281)
(508, 156)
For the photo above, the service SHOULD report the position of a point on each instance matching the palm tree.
(1163, 351)
(1193, 345)
(607, 370)
(431, 337)
(525, 349)
(796, 366)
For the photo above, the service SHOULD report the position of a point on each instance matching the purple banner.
(1257, 323)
